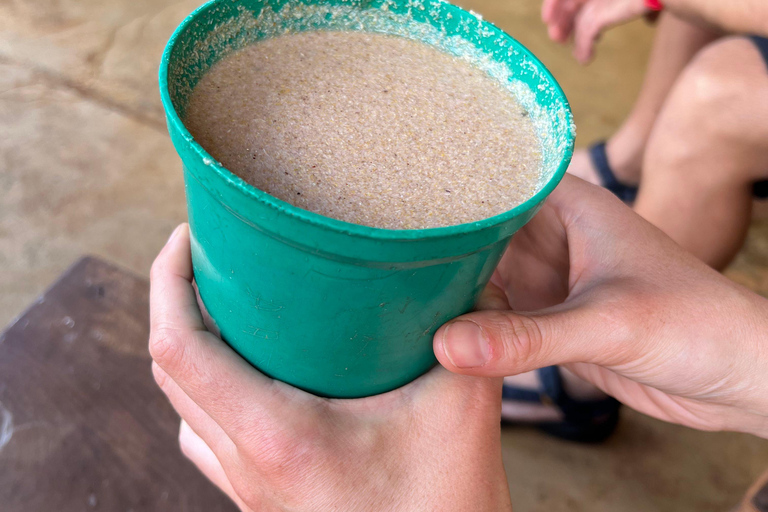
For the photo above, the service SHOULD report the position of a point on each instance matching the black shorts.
(761, 187)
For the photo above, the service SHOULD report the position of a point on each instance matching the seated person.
(689, 158)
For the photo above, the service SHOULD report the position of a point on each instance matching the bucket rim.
(233, 181)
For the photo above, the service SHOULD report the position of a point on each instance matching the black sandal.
(756, 499)
(760, 190)
(608, 179)
(584, 421)
(628, 193)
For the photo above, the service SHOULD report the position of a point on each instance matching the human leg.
(676, 43)
(708, 147)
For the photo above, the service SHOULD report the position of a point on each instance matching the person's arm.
(431, 445)
(591, 285)
(586, 20)
(735, 16)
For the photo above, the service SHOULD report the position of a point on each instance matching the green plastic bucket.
(339, 309)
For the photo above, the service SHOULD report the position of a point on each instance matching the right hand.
(586, 20)
(430, 445)
(590, 285)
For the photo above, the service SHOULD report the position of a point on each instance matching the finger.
(501, 343)
(221, 383)
(596, 17)
(210, 373)
(196, 417)
(588, 25)
(201, 455)
(600, 230)
(549, 8)
(535, 268)
(568, 186)
(173, 305)
(574, 199)
(493, 297)
(648, 400)
(561, 24)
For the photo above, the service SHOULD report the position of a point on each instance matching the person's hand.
(431, 445)
(590, 285)
(586, 20)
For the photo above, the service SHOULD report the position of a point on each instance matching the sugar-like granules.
(368, 128)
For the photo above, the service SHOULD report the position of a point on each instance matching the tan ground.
(86, 167)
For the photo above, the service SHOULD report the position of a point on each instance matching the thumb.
(502, 343)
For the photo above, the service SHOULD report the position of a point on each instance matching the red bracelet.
(654, 5)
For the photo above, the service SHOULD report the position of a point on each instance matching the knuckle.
(594, 30)
(280, 456)
(631, 331)
(621, 322)
(519, 338)
(166, 347)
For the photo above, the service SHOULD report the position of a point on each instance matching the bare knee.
(715, 121)
(720, 87)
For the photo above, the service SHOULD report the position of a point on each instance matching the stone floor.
(86, 167)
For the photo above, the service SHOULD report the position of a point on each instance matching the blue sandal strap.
(597, 154)
(520, 395)
(587, 421)
(574, 410)
(554, 393)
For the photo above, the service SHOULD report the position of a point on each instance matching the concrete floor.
(86, 167)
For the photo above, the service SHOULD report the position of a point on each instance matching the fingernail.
(173, 235)
(465, 345)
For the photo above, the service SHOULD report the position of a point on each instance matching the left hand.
(431, 445)
(586, 20)
(590, 285)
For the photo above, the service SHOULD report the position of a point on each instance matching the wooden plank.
(82, 424)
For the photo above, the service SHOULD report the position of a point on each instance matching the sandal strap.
(577, 411)
(585, 421)
(552, 392)
(520, 394)
(599, 157)
(760, 189)
(760, 499)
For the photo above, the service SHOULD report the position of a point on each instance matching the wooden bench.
(82, 424)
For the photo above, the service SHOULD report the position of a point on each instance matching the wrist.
(477, 487)
(466, 479)
(459, 467)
